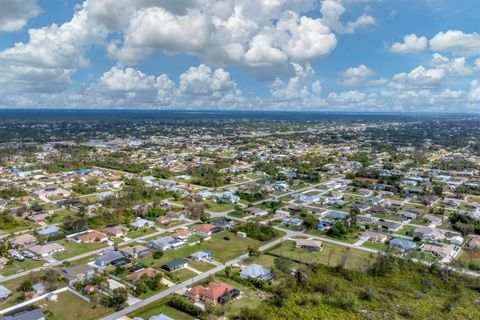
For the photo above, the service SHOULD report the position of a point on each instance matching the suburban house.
(204, 230)
(4, 293)
(222, 222)
(256, 212)
(361, 207)
(442, 250)
(89, 237)
(389, 225)
(3, 262)
(378, 210)
(406, 215)
(292, 222)
(116, 231)
(141, 223)
(201, 256)
(375, 236)
(402, 244)
(215, 292)
(111, 257)
(376, 201)
(336, 215)
(48, 231)
(145, 272)
(432, 219)
(473, 243)
(46, 249)
(256, 271)
(175, 265)
(26, 314)
(23, 240)
(181, 234)
(80, 273)
(165, 243)
(429, 233)
(135, 252)
(38, 217)
(309, 245)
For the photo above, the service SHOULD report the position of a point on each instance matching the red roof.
(213, 291)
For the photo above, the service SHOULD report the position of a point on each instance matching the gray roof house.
(163, 243)
(402, 244)
(48, 231)
(111, 257)
(4, 293)
(35, 314)
(256, 271)
(175, 265)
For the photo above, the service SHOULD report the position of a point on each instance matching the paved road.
(189, 282)
(90, 253)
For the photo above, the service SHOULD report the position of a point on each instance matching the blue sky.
(341, 55)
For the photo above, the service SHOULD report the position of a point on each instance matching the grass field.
(218, 207)
(70, 306)
(160, 307)
(201, 266)
(406, 230)
(76, 249)
(374, 245)
(355, 259)
(140, 233)
(181, 275)
(15, 265)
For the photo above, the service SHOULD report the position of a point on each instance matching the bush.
(185, 306)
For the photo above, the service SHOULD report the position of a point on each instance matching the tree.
(283, 264)
(26, 285)
(118, 297)
(310, 222)
(196, 209)
(204, 217)
(354, 212)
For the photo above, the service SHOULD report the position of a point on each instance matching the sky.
(308, 55)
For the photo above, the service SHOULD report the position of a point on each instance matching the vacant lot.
(331, 255)
(70, 306)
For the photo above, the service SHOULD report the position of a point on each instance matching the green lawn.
(201, 266)
(406, 230)
(70, 306)
(157, 308)
(351, 238)
(140, 233)
(59, 215)
(356, 259)
(15, 265)
(249, 298)
(181, 275)
(374, 245)
(75, 249)
(218, 207)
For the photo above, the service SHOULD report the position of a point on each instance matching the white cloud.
(332, 10)
(456, 66)
(420, 76)
(411, 44)
(474, 94)
(14, 14)
(355, 76)
(456, 42)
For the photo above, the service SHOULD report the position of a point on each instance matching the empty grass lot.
(75, 249)
(70, 306)
(159, 307)
(356, 259)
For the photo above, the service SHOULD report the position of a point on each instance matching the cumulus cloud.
(355, 76)
(332, 10)
(411, 44)
(456, 42)
(456, 66)
(420, 76)
(14, 14)
(474, 94)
